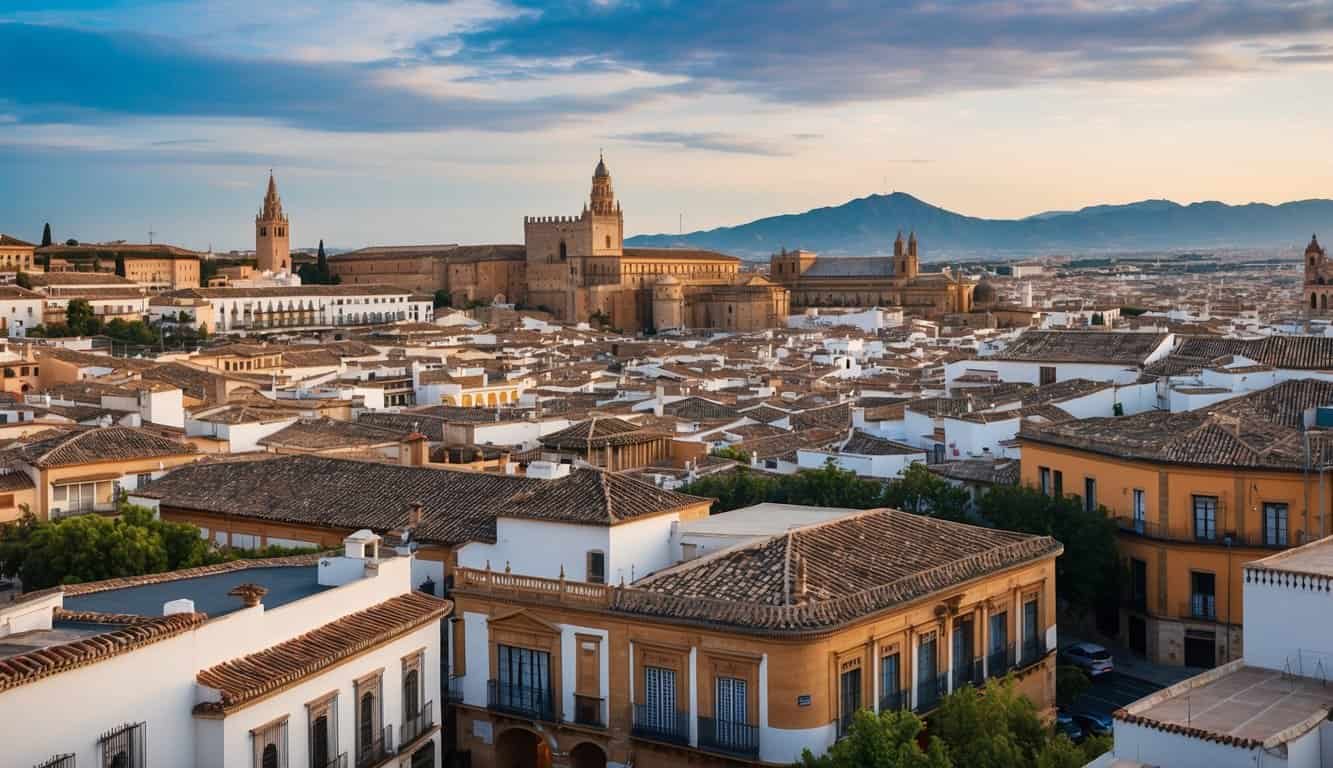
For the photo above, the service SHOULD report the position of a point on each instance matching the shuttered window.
(660, 697)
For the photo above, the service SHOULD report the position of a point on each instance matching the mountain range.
(868, 225)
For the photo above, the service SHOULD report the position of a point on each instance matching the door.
(1138, 635)
(850, 682)
(962, 654)
(1200, 649)
(660, 698)
(731, 716)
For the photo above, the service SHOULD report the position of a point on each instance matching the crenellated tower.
(272, 238)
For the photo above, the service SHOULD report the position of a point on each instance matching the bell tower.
(608, 222)
(272, 238)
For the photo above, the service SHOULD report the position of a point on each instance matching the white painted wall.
(1151, 746)
(539, 548)
(865, 466)
(1287, 624)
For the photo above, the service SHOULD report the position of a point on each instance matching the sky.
(439, 121)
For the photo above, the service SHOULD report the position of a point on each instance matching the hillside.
(867, 226)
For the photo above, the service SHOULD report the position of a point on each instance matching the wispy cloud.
(712, 142)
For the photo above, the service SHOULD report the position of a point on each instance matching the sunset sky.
(396, 121)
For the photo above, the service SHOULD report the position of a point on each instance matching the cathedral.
(578, 268)
(1318, 278)
(854, 281)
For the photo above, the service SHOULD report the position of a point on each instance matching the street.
(1110, 692)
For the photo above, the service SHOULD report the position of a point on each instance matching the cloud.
(835, 51)
(77, 76)
(710, 141)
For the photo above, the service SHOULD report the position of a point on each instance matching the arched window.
(270, 759)
(263, 231)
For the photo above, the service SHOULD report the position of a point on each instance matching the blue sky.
(408, 121)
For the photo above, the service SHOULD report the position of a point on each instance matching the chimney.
(415, 450)
(250, 594)
(414, 514)
(172, 607)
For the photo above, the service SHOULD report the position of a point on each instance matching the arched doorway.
(587, 755)
(517, 748)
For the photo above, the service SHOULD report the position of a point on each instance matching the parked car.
(1065, 723)
(1089, 657)
(1093, 723)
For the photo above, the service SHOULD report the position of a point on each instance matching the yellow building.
(15, 254)
(1195, 496)
(749, 655)
(154, 266)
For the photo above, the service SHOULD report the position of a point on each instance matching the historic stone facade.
(272, 236)
(823, 281)
(1318, 278)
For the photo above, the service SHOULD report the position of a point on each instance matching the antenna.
(680, 224)
(150, 234)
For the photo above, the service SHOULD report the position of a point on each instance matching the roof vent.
(250, 594)
(173, 607)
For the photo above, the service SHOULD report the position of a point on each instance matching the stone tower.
(272, 238)
(913, 265)
(668, 304)
(1318, 277)
(604, 214)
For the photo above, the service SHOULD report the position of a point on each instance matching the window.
(368, 714)
(1205, 518)
(1140, 509)
(270, 745)
(1275, 524)
(1047, 374)
(1089, 494)
(927, 666)
(849, 683)
(124, 747)
(963, 658)
(1059, 483)
(596, 567)
(730, 710)
(997, 662)
(524, 680)
(1203, 595)
(890, 682)
(1044, 476)
(1138, 584)
(1031, 639)
(659, 698)
(142, 479)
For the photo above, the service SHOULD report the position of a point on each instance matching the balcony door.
(659, 698)
(731, 704)
(524, 677)
(1205, 518)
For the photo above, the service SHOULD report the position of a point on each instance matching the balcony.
(1034, 649)
(1000, 661)
(893, 700)
(967, 673)
(455, 689)
(728, 737)
(929, 692)
(1185, 534)
(1200, 606)
(520, 700)
(845, 723)
(659, 725)
(418, 724)
(588, 711)
(377, 750)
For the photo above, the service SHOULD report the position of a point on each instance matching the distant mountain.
(867, 226)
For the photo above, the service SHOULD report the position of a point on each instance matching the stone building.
(272, 236)
(816, 281)
(15, 255)
(1318, 277)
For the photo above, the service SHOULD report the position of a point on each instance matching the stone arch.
(467, 401)
(587, 754)
(520, 747)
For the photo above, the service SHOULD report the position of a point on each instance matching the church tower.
(899, 256)
(608, 222)
(912, 264)
(272, 239)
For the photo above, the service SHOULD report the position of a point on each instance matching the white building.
(236, 310)
(1270, 708)
(1045, 357)
(20, 309)
(253, 664)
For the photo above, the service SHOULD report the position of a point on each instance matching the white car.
(1089, 657)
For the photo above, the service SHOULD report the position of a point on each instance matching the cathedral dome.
(600, 171)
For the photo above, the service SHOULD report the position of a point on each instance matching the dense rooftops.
(1110, 347)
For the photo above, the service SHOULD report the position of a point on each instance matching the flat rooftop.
(767, 519)
(1315, 558)
(1250, 705)
(285, 584)
(37, 639)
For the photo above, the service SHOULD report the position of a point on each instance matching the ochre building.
(897, 281)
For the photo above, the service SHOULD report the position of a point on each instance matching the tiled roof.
(850, 266)
(1110, 347)
(35, 665)
(122, 582)
(678, 253)
(695, 408)
(325, 433)
(594, 497)
(14, 241)
(787, 444)
(986, 471)
(599, 433)
(54, 448)
(838, 416)
(1290, 352)
(244, 680)
(430, 426)
(819, 577)
(865, 444)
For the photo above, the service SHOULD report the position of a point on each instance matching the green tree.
(997, 729)
(79, 317)
(891, 739)
(24, 280)
(442, 298)
(46, 235)
(1060, 752)
(921, 491)
(830, 486)
(736, 489)
(322, 265)
(1088, 571)
(733, 453)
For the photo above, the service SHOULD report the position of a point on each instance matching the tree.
(442, 298)
(997, 729)
(733, 453)
(46, 235)
(1060, 752)
(79, 317)
(891, 739)
(23, 280)
(322, 265)
(1070, 683)
(71, 242)
(1088, 572)
(921, 491)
